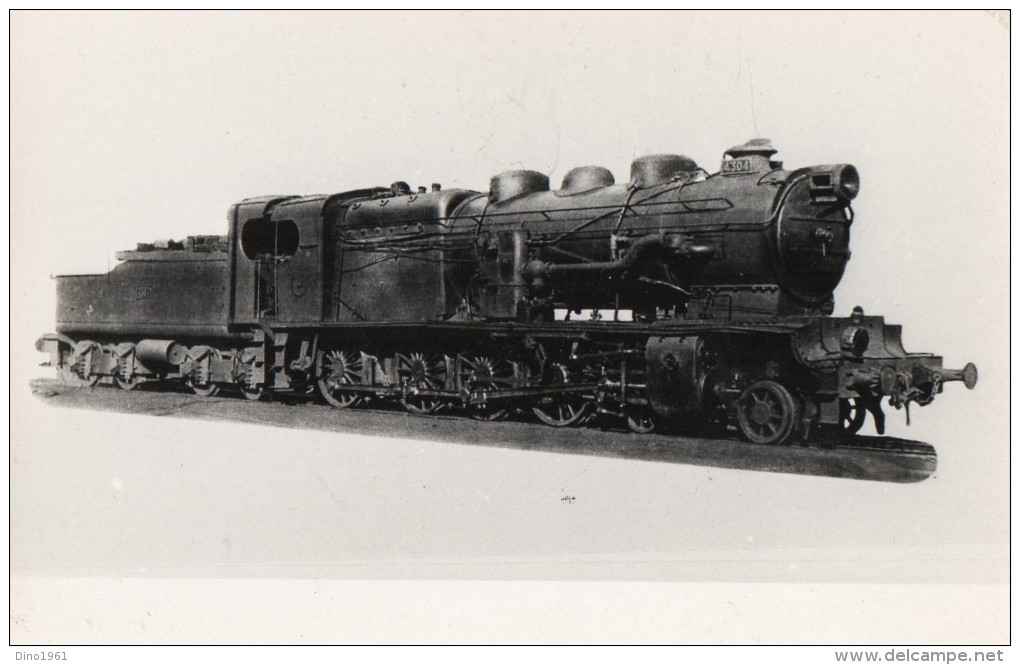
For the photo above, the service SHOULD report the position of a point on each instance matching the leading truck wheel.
(564, 409)
(766, 413)
(851, 416)
(641, 423)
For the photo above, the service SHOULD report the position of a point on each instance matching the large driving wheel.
(564, 409)
(125, 374)
(418, 372)
(483, 376)
(766, 413)
(339, 369)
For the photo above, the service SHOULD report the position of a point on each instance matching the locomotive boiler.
(679, 298)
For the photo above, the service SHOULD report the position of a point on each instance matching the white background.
(136, 127)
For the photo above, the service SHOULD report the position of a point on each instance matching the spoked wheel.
(200, 382)
(641, 423)
(766, 413)
(339, 369)
(564, 409)
(483, 375)
(84, 357)
(421, 371)
(851, 416)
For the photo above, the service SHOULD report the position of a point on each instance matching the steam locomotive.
(680, 298)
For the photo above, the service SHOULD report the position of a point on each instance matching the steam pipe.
(678, 246)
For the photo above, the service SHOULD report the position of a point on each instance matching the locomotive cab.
(255, 250)
(299, 259)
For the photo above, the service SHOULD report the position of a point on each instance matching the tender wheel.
(851, 416)
(766, 413)
(83, 359)
(129, 383)
(253, 393)
(421, 371)
(341, 368)
(199, 380)
(481, 374)
(641, 423)
(561, 410)
(208, 390)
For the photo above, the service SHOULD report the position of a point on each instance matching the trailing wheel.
(481, 376)
(420, 372)
(766, 413)
(129, 383)
(564, 409)
(851, 416)
(339, 369)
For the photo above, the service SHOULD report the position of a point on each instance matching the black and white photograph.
(510, 327)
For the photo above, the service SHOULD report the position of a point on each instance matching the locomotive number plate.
(736, 166)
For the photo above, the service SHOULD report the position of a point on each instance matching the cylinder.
(160, 352)
(674, 388)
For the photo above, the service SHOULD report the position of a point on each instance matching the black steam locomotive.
(678, 298)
